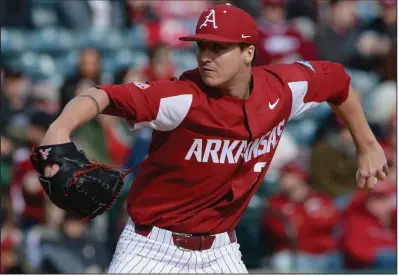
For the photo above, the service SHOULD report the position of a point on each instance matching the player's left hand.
(372, 166)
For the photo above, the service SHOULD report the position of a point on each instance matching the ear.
(249, 54)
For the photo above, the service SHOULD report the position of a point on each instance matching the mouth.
(206, 69)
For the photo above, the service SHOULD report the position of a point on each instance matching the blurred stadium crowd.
(307, 217)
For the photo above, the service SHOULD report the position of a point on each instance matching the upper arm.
(161, 105)
(311, 83)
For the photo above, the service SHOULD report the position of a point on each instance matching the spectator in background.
(339, 40)
(7, 148)
(370, 231)
(72, 250)
(87, 75)
(388, 69)
(279, 42)
(11, 239)
(160, 66)
(336, 37)
(85, 14)
(385, 25)
(300, 221)
(14, 93)
(140, 12)
(179, 9)
(13, 120)
(45, 97)
(332, 159)
(381, 34)
(26, 193)
(302, 8)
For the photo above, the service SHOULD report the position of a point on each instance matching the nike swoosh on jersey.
(272, 106)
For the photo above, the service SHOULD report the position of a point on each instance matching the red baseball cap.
(225, 24)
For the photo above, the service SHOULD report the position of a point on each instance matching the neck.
(240, 86)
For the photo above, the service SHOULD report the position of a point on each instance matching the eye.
(218, 47)
(200, 46)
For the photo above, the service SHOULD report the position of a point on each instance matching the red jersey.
(313, 220)
(364, 236)
(209, 153)
(281, 43)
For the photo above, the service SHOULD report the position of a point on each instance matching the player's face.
(219, 63)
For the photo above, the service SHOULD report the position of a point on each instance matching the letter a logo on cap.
(210, 18)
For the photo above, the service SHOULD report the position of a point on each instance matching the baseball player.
(216, 129)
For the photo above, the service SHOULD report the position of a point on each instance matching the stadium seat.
(102, 39)
(13, 40)
(115, 60)
(136, 37)
(51, 40)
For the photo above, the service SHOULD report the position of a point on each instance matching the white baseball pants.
(156, 253)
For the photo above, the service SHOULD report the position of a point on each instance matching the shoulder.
(280, 75)
(285, 69)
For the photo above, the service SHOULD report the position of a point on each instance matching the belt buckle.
(178, 238)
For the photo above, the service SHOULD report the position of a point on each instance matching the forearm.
(82, 109)
(352, 113)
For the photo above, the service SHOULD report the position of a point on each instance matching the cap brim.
(207, 37)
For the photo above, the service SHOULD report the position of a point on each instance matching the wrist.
(366, 143)
(60, 128)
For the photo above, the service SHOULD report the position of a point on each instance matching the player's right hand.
(54, 135)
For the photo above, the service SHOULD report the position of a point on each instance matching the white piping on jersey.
(299, 90)
(172, 111)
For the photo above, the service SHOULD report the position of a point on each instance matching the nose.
(204, 56)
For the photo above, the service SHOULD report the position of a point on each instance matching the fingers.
(381, 175)
(371, 182)
(385, 169)
(51, 170)
(361, 180)
(47, 171)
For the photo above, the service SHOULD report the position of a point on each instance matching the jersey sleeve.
(161, 105)
(313, 82)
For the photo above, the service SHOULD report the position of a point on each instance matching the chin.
(211, 82)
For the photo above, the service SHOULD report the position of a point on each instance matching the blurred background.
(306, 217)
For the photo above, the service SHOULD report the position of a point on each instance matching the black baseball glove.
(80, 187)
